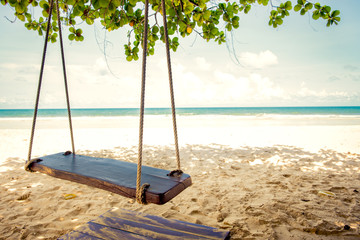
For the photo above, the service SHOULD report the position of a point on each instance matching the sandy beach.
(258, 177)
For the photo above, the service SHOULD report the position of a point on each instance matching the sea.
(345, 111)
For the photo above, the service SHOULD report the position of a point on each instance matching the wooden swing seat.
(125, 224)
(112, 175)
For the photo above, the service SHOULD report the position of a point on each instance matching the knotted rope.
(173, 111)
(141, 190)
(28, 161)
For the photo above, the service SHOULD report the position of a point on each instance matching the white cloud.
(305, 92)
(258, 61)
(100, 67)
(92, 85)
(351, 67)
(221, 88)
(354, 77)
(264, 88)
(24, 72)
(254, 87)
(10, 66)
(202, 64)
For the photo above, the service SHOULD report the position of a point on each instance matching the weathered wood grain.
(125, 224)
(113, 175)
(104, 232)
(157, 226)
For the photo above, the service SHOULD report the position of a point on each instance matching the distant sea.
(232, 111)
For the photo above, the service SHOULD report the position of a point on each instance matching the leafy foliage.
(206, 18)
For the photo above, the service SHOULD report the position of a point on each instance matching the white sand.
(257, 177)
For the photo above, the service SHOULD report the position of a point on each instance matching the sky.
(301, 63)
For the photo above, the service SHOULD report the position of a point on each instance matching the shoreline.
(196, 120)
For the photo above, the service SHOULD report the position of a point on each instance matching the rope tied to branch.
(141, 190)
(29, 161)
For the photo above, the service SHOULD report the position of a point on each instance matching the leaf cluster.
(210, 20)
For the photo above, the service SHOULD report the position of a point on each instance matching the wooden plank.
(113, 175)
(104, 232)
(125, 224)
(158, 227)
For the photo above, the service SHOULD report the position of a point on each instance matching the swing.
(146, 184)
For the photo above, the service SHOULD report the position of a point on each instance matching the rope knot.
(141, 194)
(67, 153)
(28, 163)
(175, 173)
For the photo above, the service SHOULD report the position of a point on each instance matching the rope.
(29, 161)
(140, 192)
(141, 197)
(65, 78)
(39, 84)
(173, 111)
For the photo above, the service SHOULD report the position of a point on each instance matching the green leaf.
(151, 51)
(279, 21)
(21, 17)
(335, 13)
(70, 2)
(116, 2)
(297, 8)
(288, 5)
(228, 27)
(308, 6)
(206, 15)
(235, 24)
(214, 31)
(45, 13)
(247, 9)
(327, 9)
(236, 18)
(89, 21)
(133, 2)
(104, 3)
(316, 15)
(71, 37)
(188, 9)
(171, 12)
(155, 29)
(20, 9)
(43, 4)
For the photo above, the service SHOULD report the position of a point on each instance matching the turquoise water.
(242, 111)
